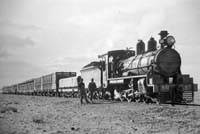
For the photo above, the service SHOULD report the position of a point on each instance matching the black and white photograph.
(99, 67)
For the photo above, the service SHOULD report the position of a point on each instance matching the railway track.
(197, 105)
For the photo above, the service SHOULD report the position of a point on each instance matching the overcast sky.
(38, 37)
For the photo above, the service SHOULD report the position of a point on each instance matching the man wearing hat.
(81, 88)
(163, 34)
(92, 87)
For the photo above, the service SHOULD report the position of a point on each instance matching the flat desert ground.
(52, 115)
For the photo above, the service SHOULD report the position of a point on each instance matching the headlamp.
(161, 41)
(170, 41)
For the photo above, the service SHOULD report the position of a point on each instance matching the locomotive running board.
(128, 77)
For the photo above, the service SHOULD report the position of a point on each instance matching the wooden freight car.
(50, 83)
(26, 87)
(10, 89)
(38, 86)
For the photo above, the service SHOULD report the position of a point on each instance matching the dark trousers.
(112, 94)
(83, 96)
(103, 93)
(172, 95)
(91, 94)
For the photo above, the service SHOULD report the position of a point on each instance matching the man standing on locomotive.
(81, 88)
(92, 87)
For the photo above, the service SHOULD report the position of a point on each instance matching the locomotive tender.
(156, 73)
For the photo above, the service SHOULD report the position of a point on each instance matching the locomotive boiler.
(166, 62)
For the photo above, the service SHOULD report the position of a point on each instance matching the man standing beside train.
(81, 88)
(92, 88)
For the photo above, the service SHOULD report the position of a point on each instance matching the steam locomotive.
(155, 73)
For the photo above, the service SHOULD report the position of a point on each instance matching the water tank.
(140, 47)
(151, 45)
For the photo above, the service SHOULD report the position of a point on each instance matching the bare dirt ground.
(51, 115)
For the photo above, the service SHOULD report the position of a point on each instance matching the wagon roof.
(94, 63)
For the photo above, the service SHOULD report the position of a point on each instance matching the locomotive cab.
(112, 64)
